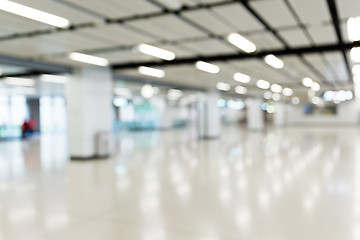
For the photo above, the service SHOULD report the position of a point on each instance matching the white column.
(209, 122)
(280, 115)
(255, 115)
(89, 100)
(164, 112)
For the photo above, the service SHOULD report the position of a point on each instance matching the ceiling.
(308, 35)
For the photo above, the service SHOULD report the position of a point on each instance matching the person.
(24, 129)
(31, 124)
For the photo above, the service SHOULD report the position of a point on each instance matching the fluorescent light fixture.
(276, 88)
(307, 82)
(288, 92)
(53, 79)
(241, 42)
(156, 52)
(240, 90)
(274, 62)
(295, 100)
(147, 91)
(276, 97)
(263, 84)
(153, 72)
(267, 95)
(85, 58)
(315, 86)
(355, 54)
(223, 86)
(33, 14)
(243, 78)
(353, 26)
(24, 82)
(125, 92)
(207, 67)
(174, 94)
(356, 69)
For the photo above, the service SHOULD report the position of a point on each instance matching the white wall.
(347, 113)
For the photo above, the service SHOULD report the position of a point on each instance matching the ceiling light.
(84, 58)
(356, 69)
(241, 78)
(223, 86)
(125, 92)
(156, 52)
(33, 14)
(241, 42)
(147, 91)
(295, 100)
(20, 82)
(263, 84)
(276, 97)
(315, 86)
(276, 88)
(174, 94)
(315, 100)
(240, 90)
(274, 61)
(353, 26)
(307, 82)
(267, 95)
(207, 67)
(153, 72)
(355, 54)
(288, 92)
(53, 78)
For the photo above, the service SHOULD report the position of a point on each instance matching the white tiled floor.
(290, 184)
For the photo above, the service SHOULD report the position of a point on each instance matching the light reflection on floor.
(296, 183)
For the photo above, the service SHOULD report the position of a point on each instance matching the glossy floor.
(290, 184)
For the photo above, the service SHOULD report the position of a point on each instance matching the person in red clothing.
(24, 129)
(31, 124)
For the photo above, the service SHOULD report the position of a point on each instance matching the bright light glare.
(288, 92)
(53, 79)
(33, 14)
(295, 100)
(223, 86)
(270, 109)
(241, 42)
(20, 82)
(153, 72)
(307, 82)
(267, 95)
(353, 26)
(174, 94)
(147, 91)
(85, 58)
(207, 67)
(276, 97)
(240, 90)
(241, 78)
(125, 92)
(156, 52)
(274, 61)
(276, 88)
(355, 54)
(315, 100)
(315, 86)
(236, 105)
(263, 84)
(356, 69)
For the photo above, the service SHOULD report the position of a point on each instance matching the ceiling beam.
(336, 23)
(239, 56)
(33, 65)
(74, 27)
